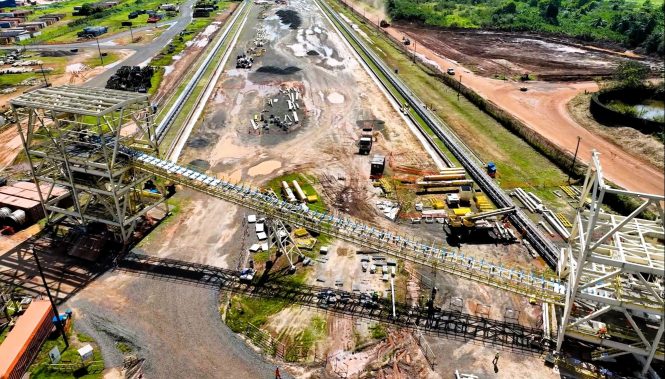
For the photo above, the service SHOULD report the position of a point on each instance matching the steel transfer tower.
(74, 137)
(614, 266)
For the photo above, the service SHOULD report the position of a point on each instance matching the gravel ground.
(174, 327)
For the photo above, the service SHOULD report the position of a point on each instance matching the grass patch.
(94, 61)
(82, 337)
(123, 347)
(244, 310)
(378, 331)
(70, 366)
(156, 80)
(305, 340)
(66, 30)
(306, 182)
(631, 22)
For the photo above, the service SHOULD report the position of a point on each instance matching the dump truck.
(366, 139)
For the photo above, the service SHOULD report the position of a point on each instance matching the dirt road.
(543, 108)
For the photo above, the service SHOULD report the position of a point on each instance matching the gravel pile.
(289, 17)
(278, 70)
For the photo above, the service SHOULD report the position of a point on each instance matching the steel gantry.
(73, 137)
(352, 230)
(614, 266)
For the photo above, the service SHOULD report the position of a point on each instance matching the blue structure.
(7, 4)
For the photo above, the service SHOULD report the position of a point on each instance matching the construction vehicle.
(460, 225)
(366, 139)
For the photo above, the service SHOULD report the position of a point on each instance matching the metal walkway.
(359, 233)
(451, 324)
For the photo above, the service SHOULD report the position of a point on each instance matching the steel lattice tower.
(76, 137)
(614, 266)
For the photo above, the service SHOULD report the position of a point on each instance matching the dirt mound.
(200, 164)
(278, 70)
(57, 53)
(289, 17)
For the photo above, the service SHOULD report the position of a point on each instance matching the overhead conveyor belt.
(357, 232)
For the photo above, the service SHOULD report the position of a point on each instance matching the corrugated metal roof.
(78, 100)
(24, 331)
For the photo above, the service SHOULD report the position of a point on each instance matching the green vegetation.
(94, 61)
(378, 331)
(82, 337)
(634, 23)
(70, 365)
(244, 310)
(305, 340)
(66, 29)
(123, 347)
(58, 66)
(3, 334)
(631, 74)
(306, 184)
(156, 80)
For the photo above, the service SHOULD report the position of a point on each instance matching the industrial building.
(23, 342)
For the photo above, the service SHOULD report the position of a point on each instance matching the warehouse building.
(23, 342)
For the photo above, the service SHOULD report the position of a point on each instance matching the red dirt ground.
(543, 108)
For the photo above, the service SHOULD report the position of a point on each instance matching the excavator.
(458, 226)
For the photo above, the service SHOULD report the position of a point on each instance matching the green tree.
(631, 74)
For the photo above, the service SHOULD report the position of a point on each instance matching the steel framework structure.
(614, 266)
(73, 137)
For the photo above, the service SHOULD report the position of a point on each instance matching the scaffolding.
(74, 137)
(614, 266)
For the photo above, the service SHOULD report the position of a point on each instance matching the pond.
(651, 110)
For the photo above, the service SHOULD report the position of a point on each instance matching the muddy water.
(264, 168)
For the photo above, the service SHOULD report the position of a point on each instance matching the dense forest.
(637, 24)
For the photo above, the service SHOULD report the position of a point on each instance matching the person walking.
(277, 374)
(496, 359)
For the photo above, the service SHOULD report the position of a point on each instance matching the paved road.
(142, 52)
(148, 51)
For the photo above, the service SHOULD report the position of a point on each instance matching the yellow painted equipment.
(386, 185)
(300, 232)
(461, 211)
(436, 178)
(569, 191)
(438, 203)
(457, 219)
(563, 220)
(312, 198)
(483, 203)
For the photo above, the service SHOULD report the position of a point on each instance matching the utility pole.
(41, 67)
(100, 51)
(58, 323)
(572, 166)
(414, 51)
(459, 87)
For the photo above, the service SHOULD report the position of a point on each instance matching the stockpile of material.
(285, 121)
(131, 78)
(390, 209)
(449, 179)
(529, 199)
